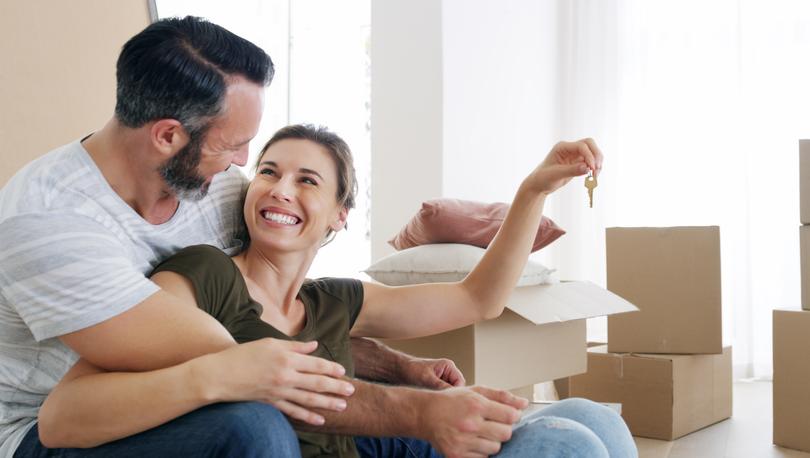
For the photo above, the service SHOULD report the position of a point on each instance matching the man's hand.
(436, 374)
(470, 421)
(375, 361)
(277, 372)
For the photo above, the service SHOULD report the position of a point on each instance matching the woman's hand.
(278, 372)
(565, 161)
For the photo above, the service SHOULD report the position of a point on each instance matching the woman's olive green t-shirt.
(331, 304)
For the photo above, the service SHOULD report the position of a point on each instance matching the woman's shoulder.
(329, 291)
(200, 259)
(334, 286)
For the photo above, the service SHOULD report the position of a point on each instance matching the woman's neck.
(274, 280)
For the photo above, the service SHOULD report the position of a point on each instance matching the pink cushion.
(464, 221)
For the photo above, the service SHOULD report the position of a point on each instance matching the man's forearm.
(90, 407)
(377, 410)
(377, 362)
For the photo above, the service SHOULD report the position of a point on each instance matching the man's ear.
(340, 222)
(168, 136)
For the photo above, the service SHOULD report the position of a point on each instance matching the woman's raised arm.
(419, 310)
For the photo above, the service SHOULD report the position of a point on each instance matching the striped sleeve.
(63, 272)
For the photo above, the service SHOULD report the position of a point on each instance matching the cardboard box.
(673, 276)
(539, 337)
(791, 379)
(804, 255)
(804, 181)
(662, 396)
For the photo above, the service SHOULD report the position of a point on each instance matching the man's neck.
(124, 158)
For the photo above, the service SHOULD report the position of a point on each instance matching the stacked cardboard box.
(791, 377)
(665, 364)
(804, 215)
(791, 367)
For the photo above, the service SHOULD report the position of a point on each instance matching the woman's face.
(291, 203)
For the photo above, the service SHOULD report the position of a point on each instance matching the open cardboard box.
(540, 336)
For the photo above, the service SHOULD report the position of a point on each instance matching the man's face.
(190, 171)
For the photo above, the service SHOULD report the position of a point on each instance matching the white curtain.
(698, 106)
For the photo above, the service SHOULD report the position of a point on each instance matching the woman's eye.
(309, 181)
(267, 172)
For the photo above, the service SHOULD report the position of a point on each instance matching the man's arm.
(90, 407)
(159, 332)
(379, 363)
(457, 421)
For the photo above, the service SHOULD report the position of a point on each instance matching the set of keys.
(590, 183)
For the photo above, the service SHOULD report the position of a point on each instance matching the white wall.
(460, 90)
(406, 113)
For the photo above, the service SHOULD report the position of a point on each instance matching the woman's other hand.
(565, 161)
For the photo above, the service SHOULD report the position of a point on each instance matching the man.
(82, 226)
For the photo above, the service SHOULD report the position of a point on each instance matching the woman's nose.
(281, 191)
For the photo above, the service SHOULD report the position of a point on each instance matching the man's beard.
(180, 172)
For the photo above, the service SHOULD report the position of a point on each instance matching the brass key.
(590, 183)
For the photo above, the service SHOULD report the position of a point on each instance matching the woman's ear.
(340, 222)
(168, 136)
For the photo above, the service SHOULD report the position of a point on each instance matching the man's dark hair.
(176, 68)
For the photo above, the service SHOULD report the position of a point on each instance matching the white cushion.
(443, 262)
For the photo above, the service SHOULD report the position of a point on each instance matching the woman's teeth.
(280, 218)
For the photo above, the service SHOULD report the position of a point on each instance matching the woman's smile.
(280, 217)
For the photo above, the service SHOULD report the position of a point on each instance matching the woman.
(300, 197)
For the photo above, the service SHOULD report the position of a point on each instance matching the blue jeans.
(572, 428)
(239, 429)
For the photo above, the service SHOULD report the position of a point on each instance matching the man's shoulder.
(46, 181)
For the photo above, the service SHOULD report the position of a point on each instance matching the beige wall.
(57, 71)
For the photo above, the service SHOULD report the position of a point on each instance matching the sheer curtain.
(698, 107)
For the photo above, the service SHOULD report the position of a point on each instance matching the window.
(321, 50)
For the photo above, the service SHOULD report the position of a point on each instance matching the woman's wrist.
(529, 190)
(199, 375)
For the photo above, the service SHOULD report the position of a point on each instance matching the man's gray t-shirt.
(73, 254)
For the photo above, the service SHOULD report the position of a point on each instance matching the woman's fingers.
(584, 150)
(314, 400)
(300, 347)
(316, 365)
(298, 413)
(597, 154)
(323, 384)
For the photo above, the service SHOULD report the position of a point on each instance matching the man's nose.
(241, 157)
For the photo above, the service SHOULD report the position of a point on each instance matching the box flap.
(565, 301)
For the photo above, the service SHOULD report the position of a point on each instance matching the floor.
(746, 435)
